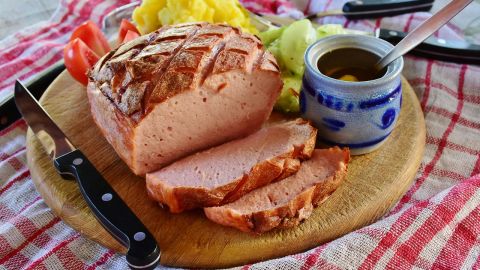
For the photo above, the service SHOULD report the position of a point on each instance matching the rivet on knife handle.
(112, 212)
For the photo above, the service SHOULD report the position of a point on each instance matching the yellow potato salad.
(152, 14)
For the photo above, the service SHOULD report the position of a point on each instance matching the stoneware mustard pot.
(359, 115)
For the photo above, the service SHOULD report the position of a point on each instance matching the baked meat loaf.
(181, 89)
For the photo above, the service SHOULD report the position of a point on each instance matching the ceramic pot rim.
(372, 44)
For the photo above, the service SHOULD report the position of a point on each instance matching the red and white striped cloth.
(436, 225)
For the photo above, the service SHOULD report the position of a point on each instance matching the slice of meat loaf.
(181, 89)
(286, 203)
(224, 173)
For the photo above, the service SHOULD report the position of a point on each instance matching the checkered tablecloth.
(436, 224)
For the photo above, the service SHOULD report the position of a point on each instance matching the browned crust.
(114, 126)
(284, 216)
(179, 199)
(131, 80)
(152, 68)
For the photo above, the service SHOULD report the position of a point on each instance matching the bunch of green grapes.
(288, 44)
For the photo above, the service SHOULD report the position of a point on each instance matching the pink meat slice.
(226, 172)
(287, 202)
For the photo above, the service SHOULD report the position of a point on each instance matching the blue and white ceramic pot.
(359, 115)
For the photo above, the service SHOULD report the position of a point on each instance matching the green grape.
(269, 36)
(329, 30)
(288, 45)
(293, 42)
(288, 100)
(274, 48)
(336, 29)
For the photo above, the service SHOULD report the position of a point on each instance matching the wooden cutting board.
(374, 184)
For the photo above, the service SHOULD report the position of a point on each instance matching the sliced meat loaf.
(165, 95)
(286, 203)
(224, 173)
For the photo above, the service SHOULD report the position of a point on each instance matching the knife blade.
(111, 211)
(8, 110)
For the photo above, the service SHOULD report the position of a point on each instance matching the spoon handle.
(423, 31)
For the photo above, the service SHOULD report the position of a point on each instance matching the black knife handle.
(440, 49)
(111, 211)
(384, 8)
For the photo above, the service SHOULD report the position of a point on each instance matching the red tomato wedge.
(126, 26)
(92, 36)
(130, 36)
(78, 59)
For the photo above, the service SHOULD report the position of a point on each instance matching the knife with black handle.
(437, 48)
(367, 9)
(107, 206)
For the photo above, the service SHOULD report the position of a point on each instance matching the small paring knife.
(107, 206)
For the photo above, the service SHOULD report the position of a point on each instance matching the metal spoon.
(423, 31)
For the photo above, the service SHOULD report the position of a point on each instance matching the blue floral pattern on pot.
(359, 115)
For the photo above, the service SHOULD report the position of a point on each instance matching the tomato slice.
(126, 26)
(92, 36)
(130, 36)
(78, 59)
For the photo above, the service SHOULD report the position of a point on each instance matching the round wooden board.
(374, 183)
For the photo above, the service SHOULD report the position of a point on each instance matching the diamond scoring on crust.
(203, 42)
(174, 59)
